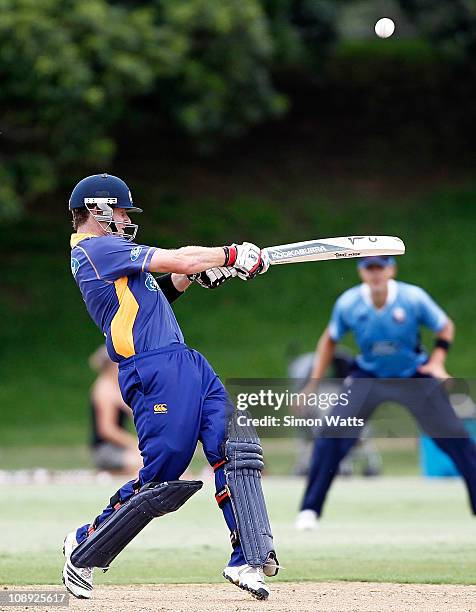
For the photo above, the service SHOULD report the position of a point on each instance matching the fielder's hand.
(435, 369)
(213, 278)
(300, 405)
(248, 260)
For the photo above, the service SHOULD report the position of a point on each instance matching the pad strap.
(216, 466)
(222, 497)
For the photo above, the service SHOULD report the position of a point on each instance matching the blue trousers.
(428, 403)
(177, 399)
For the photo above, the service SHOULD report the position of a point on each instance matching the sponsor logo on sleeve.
(136, 251)
(74, 266)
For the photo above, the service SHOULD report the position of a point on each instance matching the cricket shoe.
(307, 520)
(77, 580)
(249, 579)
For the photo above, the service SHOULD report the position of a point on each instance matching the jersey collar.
(392, 291)
(76, 238)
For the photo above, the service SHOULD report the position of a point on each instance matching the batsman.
(176, 397)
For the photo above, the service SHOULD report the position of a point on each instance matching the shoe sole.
(70, 591)
(260, 594)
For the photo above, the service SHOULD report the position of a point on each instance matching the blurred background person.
(114, 448)
(385, 318)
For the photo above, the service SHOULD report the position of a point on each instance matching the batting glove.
(213, 278)
(248, 260)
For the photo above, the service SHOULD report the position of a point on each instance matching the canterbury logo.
(160, 408)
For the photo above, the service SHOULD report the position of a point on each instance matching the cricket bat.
(335, 248)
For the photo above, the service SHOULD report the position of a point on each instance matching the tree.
(68, 70)
(73, 72)
(220, 83)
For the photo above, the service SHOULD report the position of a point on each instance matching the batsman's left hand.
(248, 260)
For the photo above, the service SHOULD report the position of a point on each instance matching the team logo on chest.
(151, 283)
(399, 315)
(136, 251)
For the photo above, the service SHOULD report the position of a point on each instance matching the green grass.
(384, 530)
(281, 454)
(245, 329)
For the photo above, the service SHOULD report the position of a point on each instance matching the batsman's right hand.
(248, 260)
(213, 278)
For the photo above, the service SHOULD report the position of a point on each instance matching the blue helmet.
(102, 189)
(100, 194)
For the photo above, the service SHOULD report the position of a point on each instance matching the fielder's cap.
(380, 260)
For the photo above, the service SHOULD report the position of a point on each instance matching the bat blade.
(335, 248)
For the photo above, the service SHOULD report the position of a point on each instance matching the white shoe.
(249, 579)
(77, 580)
(307, 520)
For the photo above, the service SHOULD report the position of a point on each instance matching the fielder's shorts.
(424, 397)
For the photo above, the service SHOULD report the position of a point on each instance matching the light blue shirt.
(388, 337)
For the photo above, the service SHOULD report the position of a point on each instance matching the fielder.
(176, 397)
(385, 317)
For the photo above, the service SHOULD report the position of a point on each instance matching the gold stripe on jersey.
(76, 238)
(124, 319)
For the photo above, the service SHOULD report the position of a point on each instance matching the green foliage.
(9, 201)
(220, 82)
(74, 72)
(407, 95)
(78, 77)
(303, 31)
(451, 25)
(68, 70)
